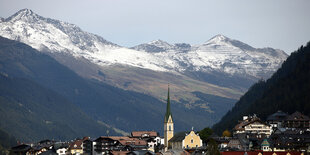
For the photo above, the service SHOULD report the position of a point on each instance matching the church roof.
(168, 111)
(178, 137)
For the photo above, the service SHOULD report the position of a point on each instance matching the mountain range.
(205, 80)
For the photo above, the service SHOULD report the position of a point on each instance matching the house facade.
(185, 140)
(253, 125)
(76, 147)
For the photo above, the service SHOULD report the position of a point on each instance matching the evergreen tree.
(212, 148)
(205, 134)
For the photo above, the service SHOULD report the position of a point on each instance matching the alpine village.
(40, 97)
(279, 134)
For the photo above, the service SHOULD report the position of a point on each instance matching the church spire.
(168, 124)
(168, 112)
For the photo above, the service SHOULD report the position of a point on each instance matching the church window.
(192, 141)
(169, 128)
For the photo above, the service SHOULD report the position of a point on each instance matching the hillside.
(6, 142)
(287, 90)
(214, 68)
(31, 112)
(115, 107)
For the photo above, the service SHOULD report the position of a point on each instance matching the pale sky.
(281, 24)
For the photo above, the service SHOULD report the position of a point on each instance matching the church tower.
(168, 123)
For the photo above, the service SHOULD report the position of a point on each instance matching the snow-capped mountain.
(206, 79)
(219, 54)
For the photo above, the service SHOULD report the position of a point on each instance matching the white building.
(253, 125)
(61, 151)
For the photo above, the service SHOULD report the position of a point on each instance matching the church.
(182, 140)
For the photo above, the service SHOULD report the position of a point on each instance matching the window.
(169, 128)
(192, 141)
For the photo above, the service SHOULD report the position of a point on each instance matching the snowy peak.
(218, 39)
(24, 14)
(45, 33)
(154, 46)
(221, 40)
(159, 42)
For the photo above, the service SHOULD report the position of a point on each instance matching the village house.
(253, 125)
(116, 144)
(235, 144)
(88, 147)
(76, 147)
(283, 121)
(277, 119)
(297, 120)
(151, 137)
(61, 149)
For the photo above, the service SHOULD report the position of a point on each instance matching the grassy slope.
(31, 112)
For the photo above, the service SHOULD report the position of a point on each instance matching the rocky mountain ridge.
(220, 53)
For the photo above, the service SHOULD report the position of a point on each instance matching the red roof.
(76, 144)
(142, 133)
(119, 152)
(257, 152)
(129, 140)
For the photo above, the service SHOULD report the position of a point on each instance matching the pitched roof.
(22, 147)
(49, 152)
(76, 144)
(246, 122)
(129, 141)
(178, 137)
(119, 152)
(278, 116)
(103, 138)
(265, 143)
(257, 152)
(143, 133)
(297, 116)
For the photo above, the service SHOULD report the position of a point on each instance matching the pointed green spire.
(168, 112)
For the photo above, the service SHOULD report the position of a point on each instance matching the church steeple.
(168, 112)
(168, 123)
